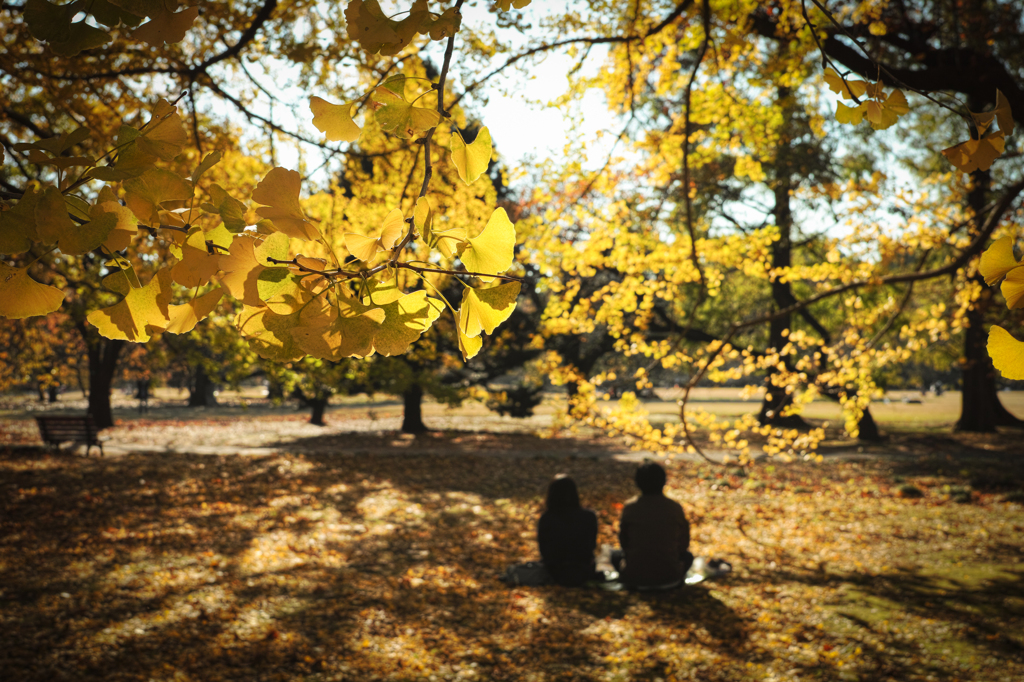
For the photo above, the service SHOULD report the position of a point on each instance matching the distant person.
(567, 534)
(654, 535)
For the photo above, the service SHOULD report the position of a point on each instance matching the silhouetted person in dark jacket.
(654, 535)
(567, 534)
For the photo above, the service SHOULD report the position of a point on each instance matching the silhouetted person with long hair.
(567, 534)
(654, 535)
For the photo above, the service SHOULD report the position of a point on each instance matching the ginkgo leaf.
(423, 219)
(141, 311)
(18, 225)
(368, 25)
(111, 15)
(847, 89)
(149, 193)
(366, 248)
(334, 120)
(184, 318)
(1007, 353)
(53, 24)
(491, 252)
(1013, 288)
(975, 155)
(449, 23)
(469, 345)
(472, 160)
(246, 260)
(164, 135)
(853, 115)
(347, 330)
(398, 116)
(166, 26)
(126, 225)
(484, 309)
(506, 5)
(404, 321)
(197, 265)
(52, 221)
(21, 296)
(81, 239)
(230, 210)
(211, 160)
(284, 291)
(448, 242)
(997, 260)
(123, 278)
(270, 334)
(882, 115)
(279, 190)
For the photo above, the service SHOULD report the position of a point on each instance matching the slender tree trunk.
(201, 391)
(980, 408)
(53, 393)
(412, 414)
(318, 405)
(776, 399)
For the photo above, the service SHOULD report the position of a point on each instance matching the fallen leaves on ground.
(383, 566)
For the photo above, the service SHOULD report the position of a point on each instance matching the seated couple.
(653, 533)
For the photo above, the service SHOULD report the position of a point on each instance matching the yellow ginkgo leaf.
(270, 334)
(141, 311)
(975, 155)
(166, 26)
(472, 160)
(404, 321)
(366, 248)
(484, 309)
(506, 5)
(82, 239)
(21, 296)
(209, 161)
(246, 260)
(397, 115)
(368, 25)
(883, 115)
(1013, 288)
(469, 345)
(1007, 353)
(847, 89)
(279, 190)
(18, 225)
(125, 227)
(52, 221)
(491, 252)
(423, 219)
(347, 331)
(154, 190)
(449, 241)
(997, 260)
(852, 115)
(230, 210)
(184, 318)
(334, 120)
(197, 265)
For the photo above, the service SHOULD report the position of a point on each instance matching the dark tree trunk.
(412, 414)
(52, 394)
(103, 354)
(776, 399)
(867, 429)
(318, 405)
(980, 408)
(201, 391)
(40, 393)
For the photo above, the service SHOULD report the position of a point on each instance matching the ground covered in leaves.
(383, 565)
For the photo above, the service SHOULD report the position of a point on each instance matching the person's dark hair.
(562, 495)
(650, 478)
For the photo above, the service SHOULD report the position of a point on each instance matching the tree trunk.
(103, 354)
(318, 405)
(980, 408)
(412, 414)
(776, 399)
(201, 391)
(867, 429)
(53, 393)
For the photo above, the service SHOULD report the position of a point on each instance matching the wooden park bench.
(57, 430)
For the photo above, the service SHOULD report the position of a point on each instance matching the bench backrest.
(68, 428)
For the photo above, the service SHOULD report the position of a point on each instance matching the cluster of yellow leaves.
(982, 149)
(881, 110)
(999, 263)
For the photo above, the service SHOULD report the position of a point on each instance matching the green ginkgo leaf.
(211, 160)
(230, 210)
(21, 296)
(334, 120)
(81, 239)
(52, 221)
(491, 252)
(472, 160)
(484, 309)
(142, 311)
